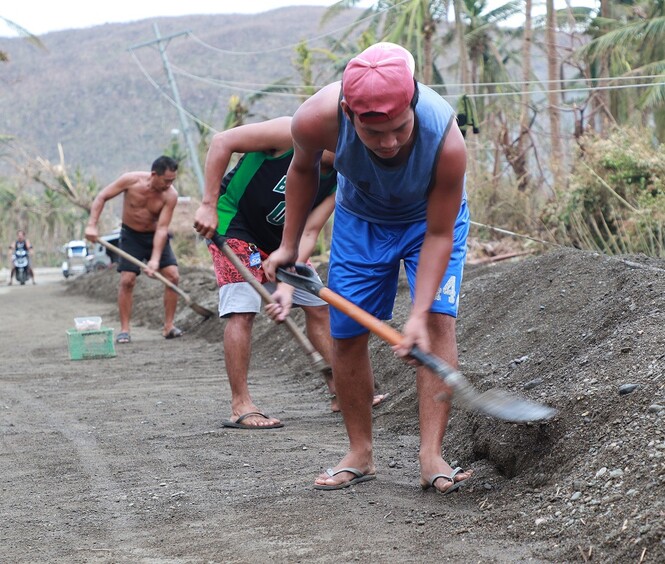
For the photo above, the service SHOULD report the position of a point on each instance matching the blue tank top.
(375, 192)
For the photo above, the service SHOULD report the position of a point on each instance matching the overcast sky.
(42, 16)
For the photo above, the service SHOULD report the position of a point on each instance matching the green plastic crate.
(90, 344)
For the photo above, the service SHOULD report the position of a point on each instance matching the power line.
(171, 101)
(293, 45)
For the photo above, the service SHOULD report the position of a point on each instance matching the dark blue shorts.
(365, 262)
(139, 245)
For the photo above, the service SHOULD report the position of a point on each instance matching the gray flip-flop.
(451, 478)
(174, 333)
(359, 477)
(123, 338)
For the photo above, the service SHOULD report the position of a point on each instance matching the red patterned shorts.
(226, 273)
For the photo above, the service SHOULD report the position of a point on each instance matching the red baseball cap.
(379, 81)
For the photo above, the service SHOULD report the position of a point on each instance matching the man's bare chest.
(145, 203)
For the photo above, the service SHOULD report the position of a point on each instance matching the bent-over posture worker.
(401, 163)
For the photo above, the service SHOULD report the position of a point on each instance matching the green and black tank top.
(251, 204)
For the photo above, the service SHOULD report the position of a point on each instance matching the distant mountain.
(107, 105)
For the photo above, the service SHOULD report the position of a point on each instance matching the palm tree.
(634, 45)
(411, 23)
(21, 32)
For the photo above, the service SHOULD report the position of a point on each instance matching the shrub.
(615, 201)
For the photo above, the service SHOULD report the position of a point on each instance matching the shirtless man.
(147, 210)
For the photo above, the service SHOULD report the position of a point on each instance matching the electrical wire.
(293, 45)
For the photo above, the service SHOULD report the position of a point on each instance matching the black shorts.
(139, 245)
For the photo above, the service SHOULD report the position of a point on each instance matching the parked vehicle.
(78, 260)
(102, 257)
(21, 265)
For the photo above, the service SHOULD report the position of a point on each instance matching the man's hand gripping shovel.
(492, 402)
(318, 363)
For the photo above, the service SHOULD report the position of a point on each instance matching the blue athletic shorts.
(365, 262)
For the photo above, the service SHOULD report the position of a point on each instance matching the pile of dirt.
(579, 331)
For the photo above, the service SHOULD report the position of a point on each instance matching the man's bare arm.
(442, 209)
(268, 136)
(315, 222)
(107, 193)
(162, 230)
(314, 129)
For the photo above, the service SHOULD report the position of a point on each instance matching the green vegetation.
(570, 108)
(615, 201)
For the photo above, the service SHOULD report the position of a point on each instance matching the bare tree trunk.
(603, 96)
(461, 44)
(553, 97)
(429, 30)
(519, 166)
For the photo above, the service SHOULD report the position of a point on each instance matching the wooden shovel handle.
(367, 320)
(142, 266)
(307, 346)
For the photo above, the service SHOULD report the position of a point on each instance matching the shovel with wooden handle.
(316, 359)
(492, 402)
(188, 300)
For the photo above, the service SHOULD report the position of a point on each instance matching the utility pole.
(193, 155)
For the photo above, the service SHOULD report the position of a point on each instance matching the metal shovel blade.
(494, 402)
(498, 403)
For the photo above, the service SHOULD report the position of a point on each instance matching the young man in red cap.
(401, 163)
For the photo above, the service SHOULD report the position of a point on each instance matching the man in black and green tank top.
(247, 206)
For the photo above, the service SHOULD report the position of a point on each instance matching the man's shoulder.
(136, 178)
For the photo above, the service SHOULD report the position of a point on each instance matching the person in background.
(246, 206)
(147, 210)
(21, 243)
(401, 162)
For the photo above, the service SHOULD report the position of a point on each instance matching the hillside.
(88, 92)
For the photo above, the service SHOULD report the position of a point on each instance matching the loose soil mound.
(579, 331)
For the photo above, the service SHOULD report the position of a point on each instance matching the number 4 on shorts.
(449, 289)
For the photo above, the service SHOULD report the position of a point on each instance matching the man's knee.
(315, 315)
(171, 274)
(127, 281)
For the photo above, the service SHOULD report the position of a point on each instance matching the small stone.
(627, 389)
(601, 472)
(533, 383)
(487, 486)
(576, 496)
(655, 408)
(616, 473)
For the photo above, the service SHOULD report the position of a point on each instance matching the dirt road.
(125, 459)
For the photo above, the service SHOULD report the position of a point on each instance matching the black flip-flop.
(238, 423)
(174, 333)
(455, 485)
